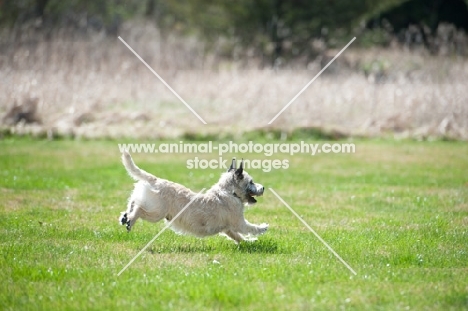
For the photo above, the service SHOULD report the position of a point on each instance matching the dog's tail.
(134, 171)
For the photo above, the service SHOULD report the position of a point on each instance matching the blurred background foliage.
(274, 30)
(65, 73)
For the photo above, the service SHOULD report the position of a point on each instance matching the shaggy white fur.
(219, 210)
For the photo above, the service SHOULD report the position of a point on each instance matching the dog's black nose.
(263, 188)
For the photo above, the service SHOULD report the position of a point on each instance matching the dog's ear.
(240, 170)
(233, 165)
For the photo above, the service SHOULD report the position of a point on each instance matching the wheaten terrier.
(219, 210)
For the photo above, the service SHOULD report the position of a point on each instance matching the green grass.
(397, 212)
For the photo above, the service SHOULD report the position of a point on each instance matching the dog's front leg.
(234, 235)
(248, 228)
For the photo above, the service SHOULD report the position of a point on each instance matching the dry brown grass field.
(95, 87)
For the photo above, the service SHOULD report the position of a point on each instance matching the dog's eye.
(251, 182)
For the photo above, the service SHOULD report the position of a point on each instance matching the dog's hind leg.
(131, 215)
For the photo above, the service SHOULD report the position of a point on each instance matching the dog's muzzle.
(258, 192)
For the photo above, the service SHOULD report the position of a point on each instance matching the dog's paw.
(250, 239)
(123, 219)
(262, 228)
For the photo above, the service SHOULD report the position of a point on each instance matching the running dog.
(219, 210)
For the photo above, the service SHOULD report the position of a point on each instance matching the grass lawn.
(396, 212)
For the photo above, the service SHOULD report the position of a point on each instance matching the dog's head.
(244, 186)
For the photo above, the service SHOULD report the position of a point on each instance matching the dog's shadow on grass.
(182, 248)
(261, 246)
(264, 246)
